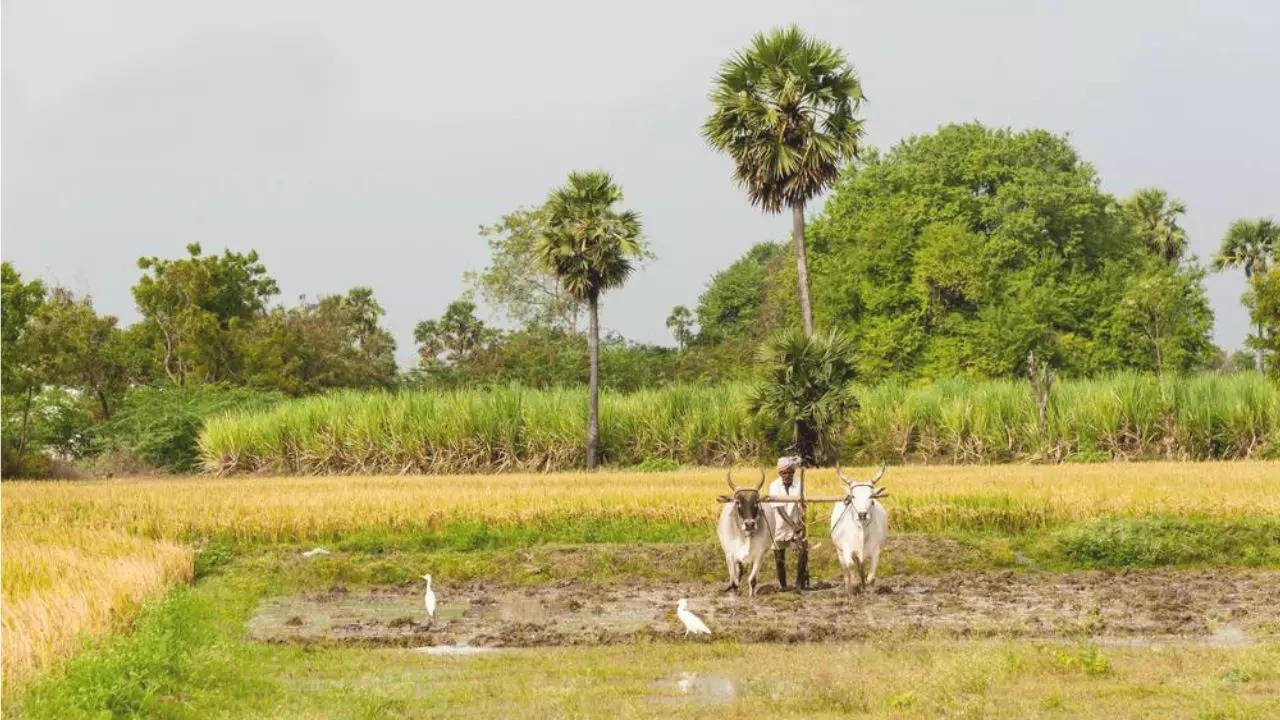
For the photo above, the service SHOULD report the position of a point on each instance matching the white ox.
(859, 525)
(745, 531)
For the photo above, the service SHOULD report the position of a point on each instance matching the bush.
(159, 426)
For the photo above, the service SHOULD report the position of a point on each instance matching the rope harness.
(848, 503)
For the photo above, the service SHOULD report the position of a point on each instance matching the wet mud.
(1136, 607)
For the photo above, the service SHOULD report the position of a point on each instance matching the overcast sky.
(364, 143)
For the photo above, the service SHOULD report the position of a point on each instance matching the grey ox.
(746, 532)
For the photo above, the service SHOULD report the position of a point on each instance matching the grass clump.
(1157, 541)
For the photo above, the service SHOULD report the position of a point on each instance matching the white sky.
(364, 143)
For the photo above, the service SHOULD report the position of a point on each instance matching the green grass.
(187, 658)
(1126, 416)
(1153, 542)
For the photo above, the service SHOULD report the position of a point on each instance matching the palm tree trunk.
(593, 384)
(802, 267)
(1262, 363)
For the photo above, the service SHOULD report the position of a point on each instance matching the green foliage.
(784, 109)
(657, 465)
(734, 303)
(806, 394)
(1250, 245)
(1125, 416)
(1154, 542)
(506, 428)
(191, 307)
(159, 426)
(330, 343)
(21, 376)
(1266, 315)
(1254, 245)
(17, 308)
(452, 339)
(84, 350)
(957, 253)
(515, 282)
(586, 244)
(1164, 308)
(1155, 220)
(680, 323)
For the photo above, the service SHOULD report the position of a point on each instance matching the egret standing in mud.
(692, 623)
(430, 599)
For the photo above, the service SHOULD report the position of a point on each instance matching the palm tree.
(1156, 218)
(784, 111)
(680, 323)
(807, 389)
(1252, 245)
(590, 248)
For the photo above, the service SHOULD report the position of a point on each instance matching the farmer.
(788, 522)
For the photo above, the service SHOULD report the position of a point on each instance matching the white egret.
(430, 598)
(692, 623)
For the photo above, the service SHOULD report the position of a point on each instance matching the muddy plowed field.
(1213, 606)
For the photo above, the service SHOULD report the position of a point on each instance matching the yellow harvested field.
(923, 498)
(64, 583)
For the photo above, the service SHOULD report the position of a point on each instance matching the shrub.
(159, 426)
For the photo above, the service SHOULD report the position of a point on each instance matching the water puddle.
(1225, 636)
(454, 650)
(692, 687)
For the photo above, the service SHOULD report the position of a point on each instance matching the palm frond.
(784, 109)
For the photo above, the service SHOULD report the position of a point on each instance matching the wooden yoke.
(804, 509)
(782, 499)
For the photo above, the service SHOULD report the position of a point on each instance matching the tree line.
(955, 253)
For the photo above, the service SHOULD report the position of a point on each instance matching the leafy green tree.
(84, 350)
(454, 338)
(1251, 245)
(20, 359)
(1166, 312)
(1155, 218)
(806, 391)
(515, 283)
(591, 248)
(734, 303)
(680, 323)
(193, 307)
(1266, 314)
(333, 342)
(959, 252)
(784, 110)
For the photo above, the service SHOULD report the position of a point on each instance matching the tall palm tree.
(1156, 217)
(590, 248)
(1252, 245)
(784, 111)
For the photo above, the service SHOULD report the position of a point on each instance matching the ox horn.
(847, 482)
(879, 475)
(761, 483)
(728, 477)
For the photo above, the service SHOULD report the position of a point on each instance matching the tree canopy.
(959, 252)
